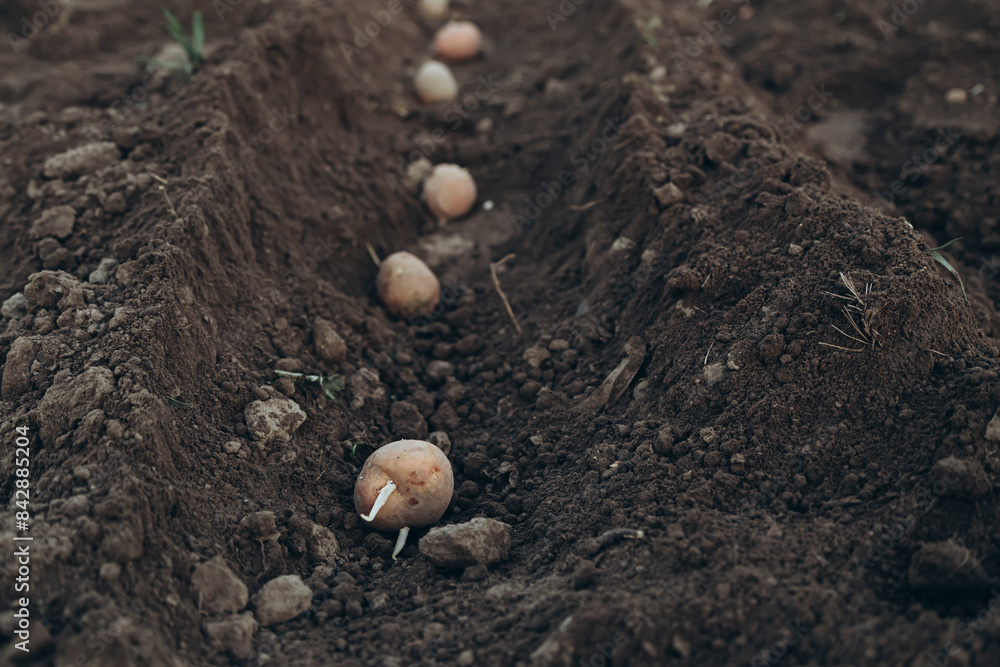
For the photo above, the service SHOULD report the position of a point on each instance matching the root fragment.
(383, 496)
(496, 284)
(400, 541)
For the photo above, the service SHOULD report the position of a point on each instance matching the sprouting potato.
(405, 484)
(407, 286)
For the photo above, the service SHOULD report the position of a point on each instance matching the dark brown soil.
(810, 493)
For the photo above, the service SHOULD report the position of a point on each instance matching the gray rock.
(233, 634)
(480, 541)
(15, 306)
(102, 273)
(274, 420)
(217, 588)
(329, 344)
(81, 160)
(17, 370)
(57, 222)
(282, 599)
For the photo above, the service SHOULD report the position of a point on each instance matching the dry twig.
(496, 283)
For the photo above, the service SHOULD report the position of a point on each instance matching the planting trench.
(798, 501)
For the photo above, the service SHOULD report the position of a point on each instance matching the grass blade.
(939, 258)
(197, 37)
(942, 247)
(177, 31)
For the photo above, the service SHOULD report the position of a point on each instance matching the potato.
(458, 40)
(433, 9)
(422, 484)
(407, 286)
(450, 191)
(435, 83)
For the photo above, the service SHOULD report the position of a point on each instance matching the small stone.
(676, 130)
(233, 634)
(102, 273)
(479, 541)
(115, 204)
(536, 356)
(329, 344)
(15, 306)
(57, 222)
(668, 194)
(622, 243)
(217, 588)
(956, 96)
(81, 160)
(558, 345)
(794, 250)
(993, 429)
(440, 440)
(274, 420)
(232, 447)
(110, 572)
(17, 370)
(282, 599)
(439, 371)
(466, 658)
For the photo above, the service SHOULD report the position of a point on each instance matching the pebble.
(439, 371)
(233, 634)
(16, 372)
(440, 440)
(274, 420)
(217, 588)
(232, 447)
(329, 344)
(480, 541)
(282, 599)
(102, 273)
(536, 356)
(15, 306)
(57, 222)
(81, 160)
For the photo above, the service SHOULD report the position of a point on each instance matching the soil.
(728, 340)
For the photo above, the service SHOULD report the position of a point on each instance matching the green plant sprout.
(329, 384)
(939, 258)
(193, 45)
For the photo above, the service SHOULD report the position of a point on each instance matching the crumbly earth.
(746, 416)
